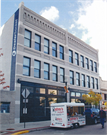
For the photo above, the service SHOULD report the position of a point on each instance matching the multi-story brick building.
(38, 56)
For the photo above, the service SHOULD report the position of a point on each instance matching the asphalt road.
(85, 130)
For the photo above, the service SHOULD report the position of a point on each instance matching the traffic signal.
(66, 89)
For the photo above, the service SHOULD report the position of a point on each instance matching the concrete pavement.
(9, 129)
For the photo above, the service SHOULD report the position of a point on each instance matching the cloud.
(51, 13)
(93, 18)
(72, 26)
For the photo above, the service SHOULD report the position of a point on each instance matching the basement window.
(4, 107)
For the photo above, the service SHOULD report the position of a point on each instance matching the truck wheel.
(95, 121)
(76, 125)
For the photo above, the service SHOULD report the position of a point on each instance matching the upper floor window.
(37, 42)
(46, 71)
(77, 79)
(54, 70)
(76, 59)
(91, 65)
(62, 75)
(70, 56)
(26, 66)
(95, 66)
(27, 38)
(61, 51)
(46, 46)
(37, 68)
(92, 82)
(82, 61)
(54, 49)
(88, 82)
(71, 77)
(83, 80)
(87, 63)
(96, 83)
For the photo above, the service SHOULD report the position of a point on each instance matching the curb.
(25, 130)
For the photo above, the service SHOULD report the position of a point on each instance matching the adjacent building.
(38, 59)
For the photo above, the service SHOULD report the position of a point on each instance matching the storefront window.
(73, 100)
(40, 90)
(77, 94)
(61, 100)
(73, 94)
(60, 92)
(78, 101)
(52, 92)
(52, 100)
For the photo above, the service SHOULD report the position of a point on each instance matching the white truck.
(64, 115)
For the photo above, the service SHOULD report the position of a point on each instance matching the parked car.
(92, 115)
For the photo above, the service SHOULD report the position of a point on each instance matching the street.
(85, 130)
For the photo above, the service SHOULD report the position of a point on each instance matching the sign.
(24, 110)
(25, 100)
(14, 50)
(25, 93)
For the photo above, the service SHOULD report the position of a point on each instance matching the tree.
(105, 105)
(92, 98)
(2, 79)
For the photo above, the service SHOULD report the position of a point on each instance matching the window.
(4, 107)
(27, 38)
(92, 82)
(40, 90)
(26, 66)
(76, 59)
(71, 77)
(88, 82)
(87, 63)
(82, 61)
(61, 75)
(46, 46)
(54, 49)
(62, 93)
(73, 94)
(61, 51)
(77, 94)
(96, 83)
(54, 70)
(91, 65)
(83, 80)
(95, 67)
(37, 42)
(37, 68)
(46, 71)
(70, 56)
(77, 79)
(52, 92)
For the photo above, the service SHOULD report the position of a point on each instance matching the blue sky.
(86, 19)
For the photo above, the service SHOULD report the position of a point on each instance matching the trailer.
(65, 115)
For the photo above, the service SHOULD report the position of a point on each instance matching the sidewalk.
(8, 129)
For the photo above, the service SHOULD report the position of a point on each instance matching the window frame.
(82, 61)
(56, 74)
(27, 38)
(95, 67)
(61, 53)
(77, 59)
(77, 79)
(38, 43)
(92, 82)
(70, 56)
(46, 71)
(71, 77)
(83, 80)
(63, 76)
(46, 46)
(38, 69)
(91, 65)
(88, 81)
(87, 63)
(27, 66)
(96, 83)
(53, 49)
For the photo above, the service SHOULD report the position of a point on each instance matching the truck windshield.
(75, 110)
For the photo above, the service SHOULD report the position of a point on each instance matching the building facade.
(38, 59)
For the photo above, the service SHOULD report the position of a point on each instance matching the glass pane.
(52, 100)
(36, 73)
(53, 53)
(61, 100)
(61, 79)
(36, 64)
(37, 46)
(25, 71)
(37, 38)
(77, 94)
(61, 56)
(27, 42)
(45, 49)
(27, 34)
(46, 42)
(73, 94)
(52, 92)
(4, 107)
(61, 71)
(71, 73)
(61, 49)
(40, 90)
(46, 67)
(71, 81)
(45, 75)
(54, 77)
(73, 100)
(60, 92)
(54, 68)
(54, 46)
(26, 62)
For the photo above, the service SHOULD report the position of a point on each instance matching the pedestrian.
(102, 116)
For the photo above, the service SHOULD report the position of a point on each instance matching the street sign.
(25, 93)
